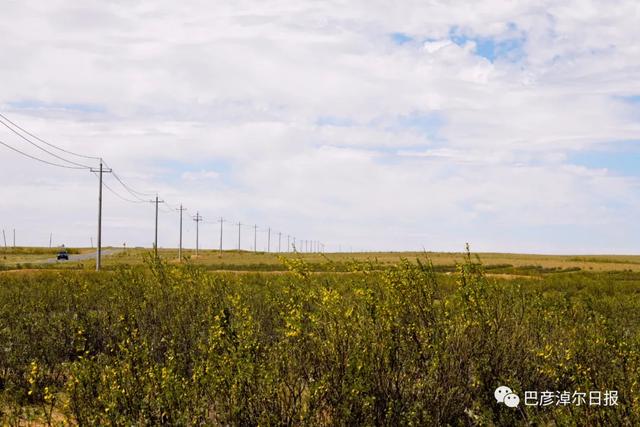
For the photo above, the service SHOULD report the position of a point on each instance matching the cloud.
(200, 175)
(422, 124)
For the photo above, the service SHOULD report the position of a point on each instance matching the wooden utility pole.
(255, 238)
(197, 219)
(181, 209)
(155, 240)
(239, 230)
(269, 240)
(221, 220)
(100, 171)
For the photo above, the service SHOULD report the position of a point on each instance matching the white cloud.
(200, 175)
(221, 107)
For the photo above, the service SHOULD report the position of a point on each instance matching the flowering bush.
(400, 346)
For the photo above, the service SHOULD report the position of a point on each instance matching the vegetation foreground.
(400, 345)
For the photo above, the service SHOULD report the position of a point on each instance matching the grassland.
(19, 256)
(342, 339)
(230, 260)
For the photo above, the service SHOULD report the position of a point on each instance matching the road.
(82, 257)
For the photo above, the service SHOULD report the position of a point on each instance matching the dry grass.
(254, 261)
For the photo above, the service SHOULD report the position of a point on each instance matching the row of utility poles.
(103, 167)
(306, 245)
(4, 238)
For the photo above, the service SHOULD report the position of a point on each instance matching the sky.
(366, 125)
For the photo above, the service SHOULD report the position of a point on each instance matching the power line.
(126, 187)
(134, 193)
(47, 143)
(43, 149)
(118, 195)
(40, 160)
(307, 246)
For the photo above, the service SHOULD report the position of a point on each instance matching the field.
(307, 339)
(213, 260)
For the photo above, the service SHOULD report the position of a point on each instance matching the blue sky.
(621, 158)
(34, 104)
(510, 48)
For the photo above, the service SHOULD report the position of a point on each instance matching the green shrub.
(177, 345)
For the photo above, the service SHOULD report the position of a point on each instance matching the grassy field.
(260, 261)
(341, 339)
(14, 257)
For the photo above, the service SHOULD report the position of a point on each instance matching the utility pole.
(269, 240)
(197, 219)
(255, 238)
(239, 229)
(4, 237)
(100, 171)
(181, 209)
(279, 241)
(294, 243)
(14, 237)
(50, 238)
(155, 240)
(155, 237)
(221, 220)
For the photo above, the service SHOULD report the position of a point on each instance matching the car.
(63, 255)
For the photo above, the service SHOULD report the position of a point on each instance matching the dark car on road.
(63, 255)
